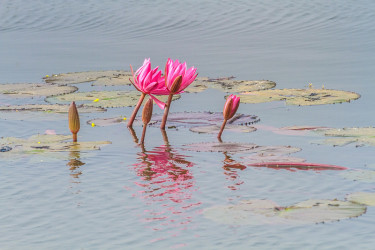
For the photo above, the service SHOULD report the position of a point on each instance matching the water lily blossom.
(230, 108)
(146, 117)
(177, 78)
(149, 82)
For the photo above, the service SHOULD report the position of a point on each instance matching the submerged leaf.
(220, 147)
(101, 122)
(34, 89)
(364, 198)
(110, 77)
(298, 165)
(268, 154)
(320, 211)
(105, 99)
(214, 129)
(360, 175)
(300, 97)
(345, 136)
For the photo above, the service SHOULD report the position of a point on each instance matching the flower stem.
(143, 134)
(221, 129)
(74, 137)
(166, 111)
(134, 114)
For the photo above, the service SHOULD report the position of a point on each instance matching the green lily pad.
(107, 121)
(199, 85)
(364, 198)
(214, 129)
(345, 136)
(34, 89)
(251, 212)
(107, 78)
(105, 99)
(50, 108)
(238, 86)
(320, 211)
(360, 175)
(47, 143)
(301, 97)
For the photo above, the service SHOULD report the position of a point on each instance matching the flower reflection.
(167, 185)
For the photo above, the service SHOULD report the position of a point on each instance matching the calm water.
(113, 201)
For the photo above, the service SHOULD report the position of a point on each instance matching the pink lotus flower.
(174, 69)
(149, 82)
(230, 108)
(177, 78)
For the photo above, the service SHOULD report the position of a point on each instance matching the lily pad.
(105, 99)
(251, 212)
(268, 154)
(364, 198)
(301, 97)
(298, 165)
(214, 129)
(50, 108)
(237, 86)
(360, 175)
(35, 89)
(48, 143)
(320, 211)
(107, 121)
(199, 85)
(220, 147)
(110, 78)
(345, 136)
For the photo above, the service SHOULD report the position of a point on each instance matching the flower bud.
(147, 112)
(74, 123)
(231, 106)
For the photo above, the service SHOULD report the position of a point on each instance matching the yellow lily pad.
(47, 143)
(34, 89)
(50, 108)
(364, 198)
(301, 97)
(105, 99)
(107, 78)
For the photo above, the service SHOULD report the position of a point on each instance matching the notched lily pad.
(35, 89)
(105, 99)
(301, 97)
(364, 198)
(48, 143)
(109, 78)
(320, 211)
(50, 108)
(345, 136)
(214, 129)
(220, 147)
(298, 166)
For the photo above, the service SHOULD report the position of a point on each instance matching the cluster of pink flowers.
(177, 76)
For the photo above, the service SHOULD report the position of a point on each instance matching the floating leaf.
(110, 77)
(50, 108)
(298, 165)
(199, 85)
(48, 143)
(320, 211)
(230, 85)
(362, 198)
(303, 127)
(107, 99)
(106, 121)
(34, 89)
(268, 154)
(345, 136)
(300, 97)
(251, 212)
(214, 129)
(220, 147)
(360, 175)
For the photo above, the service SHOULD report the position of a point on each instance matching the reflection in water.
(231, 168)
(167, 186)
(74, 165)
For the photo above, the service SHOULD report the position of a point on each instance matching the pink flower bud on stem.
(134, 114)
(230, 108)
(74, 123)
(146, 117)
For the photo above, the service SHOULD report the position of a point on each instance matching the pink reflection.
(167, 185)
(231, 169)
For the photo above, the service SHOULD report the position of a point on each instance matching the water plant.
(146, 117)
(74, 123)
(177, 78)
(230, 108)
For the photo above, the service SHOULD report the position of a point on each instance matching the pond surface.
(126, 196)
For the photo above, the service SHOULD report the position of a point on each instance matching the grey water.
(107, 203)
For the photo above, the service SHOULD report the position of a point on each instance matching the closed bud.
(227, 108)
(176, 84)
(74, 124)
(147, 111)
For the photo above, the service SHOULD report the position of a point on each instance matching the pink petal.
(158, 102)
